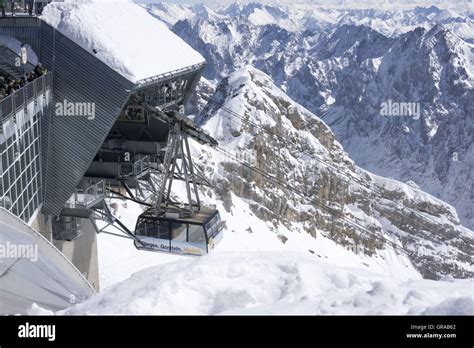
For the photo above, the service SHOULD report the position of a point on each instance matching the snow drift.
(274, 283)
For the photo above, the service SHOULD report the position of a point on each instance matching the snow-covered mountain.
(283, 252)
(307, 229)
(389, 20)
(345, 72)
(301, 155)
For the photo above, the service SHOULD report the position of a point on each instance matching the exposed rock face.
(348, 73)
(344, 66)
(305, 180)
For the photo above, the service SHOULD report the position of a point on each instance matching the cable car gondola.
(179, 227)
(195, 235)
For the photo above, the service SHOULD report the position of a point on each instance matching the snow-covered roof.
(124, 35)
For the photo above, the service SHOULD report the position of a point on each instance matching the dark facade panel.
(23, 29)
(71, 142)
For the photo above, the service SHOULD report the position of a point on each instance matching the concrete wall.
(82, 251)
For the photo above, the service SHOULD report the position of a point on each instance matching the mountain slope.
(306, 182)
(435, 148)
(345, 75)
(320, 264)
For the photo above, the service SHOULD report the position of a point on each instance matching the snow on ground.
(261, 268)
(253, 272)
(275, 283)
(124, 35)
(119, 259)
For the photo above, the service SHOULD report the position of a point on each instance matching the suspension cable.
(372, 188)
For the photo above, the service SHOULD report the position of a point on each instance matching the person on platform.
(3, 5)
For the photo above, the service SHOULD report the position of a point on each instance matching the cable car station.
(122, 139)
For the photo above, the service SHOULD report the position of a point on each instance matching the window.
(196, 234)
(163, 230)
(213, 226)
(20, 186)
(179, 231)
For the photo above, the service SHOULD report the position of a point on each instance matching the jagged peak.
(441, 30)
(356, 30)
(425, 11)
(205, 12)
(253, 94)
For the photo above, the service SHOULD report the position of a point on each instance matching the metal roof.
(32, 270)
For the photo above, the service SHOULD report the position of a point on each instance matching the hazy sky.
(357, 3)
(434, 2)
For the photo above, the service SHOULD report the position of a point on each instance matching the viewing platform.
(23, 103)
(25, 8)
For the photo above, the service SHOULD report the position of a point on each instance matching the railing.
(163, 90)
(11, 58)
(25, 8)
(19, 98)
(141, 167)
(66, 228)
(162, 77)
(85, 198)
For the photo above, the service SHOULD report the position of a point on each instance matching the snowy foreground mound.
(275, 283)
